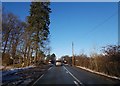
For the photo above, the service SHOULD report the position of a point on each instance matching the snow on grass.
(114, 77)
(22, 68)
(1, 67)
(14, 70)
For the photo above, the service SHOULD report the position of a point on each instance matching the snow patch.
(14, 70)
(1, 67)
(23, 68)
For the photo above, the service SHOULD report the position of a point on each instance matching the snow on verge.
(1, 67)
(114, 77)
(14, 70)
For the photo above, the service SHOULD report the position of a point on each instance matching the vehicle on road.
(58, 63)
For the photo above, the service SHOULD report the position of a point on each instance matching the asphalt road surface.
(73, 76)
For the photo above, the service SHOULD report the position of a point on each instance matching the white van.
(58, 63)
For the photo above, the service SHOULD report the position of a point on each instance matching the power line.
(100, 24)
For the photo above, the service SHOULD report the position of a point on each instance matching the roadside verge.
(24, 77)
(99, 73)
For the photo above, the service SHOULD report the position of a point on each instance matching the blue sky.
(88, 25)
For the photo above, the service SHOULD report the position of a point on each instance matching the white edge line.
(76, 83)
(103, 74)
(49, 68)
(37, 80)
(73, 76)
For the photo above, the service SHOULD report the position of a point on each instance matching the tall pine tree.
(39, 24)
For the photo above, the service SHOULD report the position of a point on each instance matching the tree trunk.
(28, 56)
(36, 56)
(31, 56)
(5, 45)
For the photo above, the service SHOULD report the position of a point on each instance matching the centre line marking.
(74, 76)
(37, 80)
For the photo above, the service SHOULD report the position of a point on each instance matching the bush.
(6, 60)
(108, 62)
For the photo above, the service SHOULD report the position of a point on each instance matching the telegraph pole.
(118, 26)
(73, 58)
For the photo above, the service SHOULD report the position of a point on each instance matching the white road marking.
(76, 83)
(73, 76)
(49, 68)
(37, 80)
(66, 71)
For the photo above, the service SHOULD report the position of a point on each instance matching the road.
(72, 76)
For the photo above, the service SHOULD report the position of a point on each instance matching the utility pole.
(118, 26)
(73, 58)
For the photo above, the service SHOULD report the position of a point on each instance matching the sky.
(89, 25)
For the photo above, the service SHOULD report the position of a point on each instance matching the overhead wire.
(100, 24)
